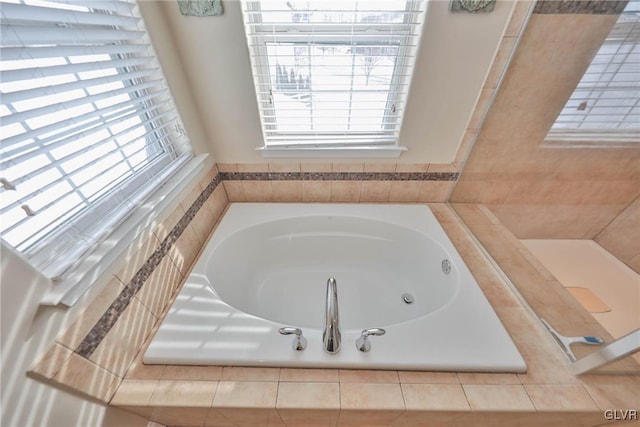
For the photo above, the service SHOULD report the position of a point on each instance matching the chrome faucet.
(331, 336)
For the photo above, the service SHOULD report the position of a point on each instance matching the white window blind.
(332, 72)
(605, 105)
(88, 127)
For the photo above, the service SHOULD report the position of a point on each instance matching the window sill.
(374, 151)
(68, 290)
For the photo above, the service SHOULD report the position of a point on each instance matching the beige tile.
(368, 396)
(479, 378)
(435, 191)
(227, 167)
(139, 371)
(252, 416)
(180, 416)
(74, 335)
(465, 146)
(232, 373)
(613, 391)
(216, 205)
(287, 191)
(246, 394)
(309, 417)
(316, 191)
(375, 191)
(309, 375)
(134, 393)
(162, 230)
(518, 17)
(500, 61)
(88, 378)
(345, 191)
(423, 377)
(52, 361)
(143, 411)
(379, 167)
(158, 289)
(292, 395)
(371, 417)
(194, 394)
(192, 373)
(136, 255)
(434, 397)
(412, 167)
(253, 167)
(348, 167)
(526, 419)
(215, 418)
(284, 167)
(428, 419)
(442, 168)
(368, 376)
(185, 250)
(191, 195)
(258, 191)
(204, 220)
(498, 397)
(316, 167)
(235, 191)
(560, 398)
(119, 347)
(404, 191)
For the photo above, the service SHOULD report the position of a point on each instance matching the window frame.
(287, 146)
(64, 253)
(619, 137)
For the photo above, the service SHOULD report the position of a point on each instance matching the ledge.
(366, 151)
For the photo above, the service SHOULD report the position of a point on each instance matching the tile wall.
(338, 182)
(93, 355)
(621, 236)
(539, 191)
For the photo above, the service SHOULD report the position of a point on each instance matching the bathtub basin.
(266, 266)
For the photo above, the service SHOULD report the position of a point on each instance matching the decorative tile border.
(95, 336)
(590, 7)
(110, 317)
(339, 176)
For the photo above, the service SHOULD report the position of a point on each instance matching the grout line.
(102, 327)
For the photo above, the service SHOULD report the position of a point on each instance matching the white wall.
(455, 55)
(27, 331)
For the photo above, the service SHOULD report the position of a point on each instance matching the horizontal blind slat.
(17, 13)
(22, 95)
(58, 51)
(56, 70)
(36, 112)
(36, 133)
(124, 7)
(30, 153)
(13, 35)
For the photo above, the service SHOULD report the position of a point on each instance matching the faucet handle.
(362, 343)
(299, 342)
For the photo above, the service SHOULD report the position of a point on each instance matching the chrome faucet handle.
(362, 343)
(299, 342)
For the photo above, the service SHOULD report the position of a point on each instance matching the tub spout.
(331, 336)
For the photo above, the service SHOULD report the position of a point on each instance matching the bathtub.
(266, 267)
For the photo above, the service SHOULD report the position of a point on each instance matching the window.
(332, 73)
(88, 127)
(605, 105)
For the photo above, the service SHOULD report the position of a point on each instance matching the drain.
(446, 266)
(407, 298)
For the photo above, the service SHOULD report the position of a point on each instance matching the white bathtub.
(267, 265)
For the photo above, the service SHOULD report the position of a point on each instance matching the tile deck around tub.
(548, 394)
